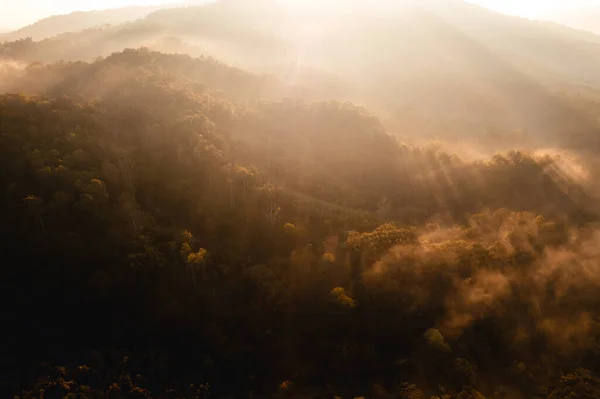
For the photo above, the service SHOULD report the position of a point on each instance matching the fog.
(288, 199)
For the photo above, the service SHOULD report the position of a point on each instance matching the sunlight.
(317, 4)
(299, 198)
(348, 5)
(522, 8)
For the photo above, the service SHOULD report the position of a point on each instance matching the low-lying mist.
(260, 199)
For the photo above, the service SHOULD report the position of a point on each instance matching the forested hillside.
(177, 227)
(446, 56)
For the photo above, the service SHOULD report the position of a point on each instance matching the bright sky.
(18, 13)
(533, 8)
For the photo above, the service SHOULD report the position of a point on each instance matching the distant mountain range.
(467, 65)
(78, 21)
(81, 20)
(585, 18)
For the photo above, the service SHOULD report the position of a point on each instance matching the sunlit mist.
(24, 13)
(300, 199)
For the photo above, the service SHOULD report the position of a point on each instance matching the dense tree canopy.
(175, 227)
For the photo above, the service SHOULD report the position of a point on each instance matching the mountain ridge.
(78, 20)
(459, 61)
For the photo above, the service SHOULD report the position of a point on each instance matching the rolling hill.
(479, 72)
(77, 21)
(253, 200)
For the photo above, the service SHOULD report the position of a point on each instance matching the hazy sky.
(18, 13)
(532, 8)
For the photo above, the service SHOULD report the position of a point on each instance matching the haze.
(337, 199)
(14, 15)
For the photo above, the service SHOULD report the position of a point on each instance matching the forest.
(175, 226)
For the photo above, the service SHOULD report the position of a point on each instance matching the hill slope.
(176, 222)
(184, 228)
(470, 67)
(77, 21)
